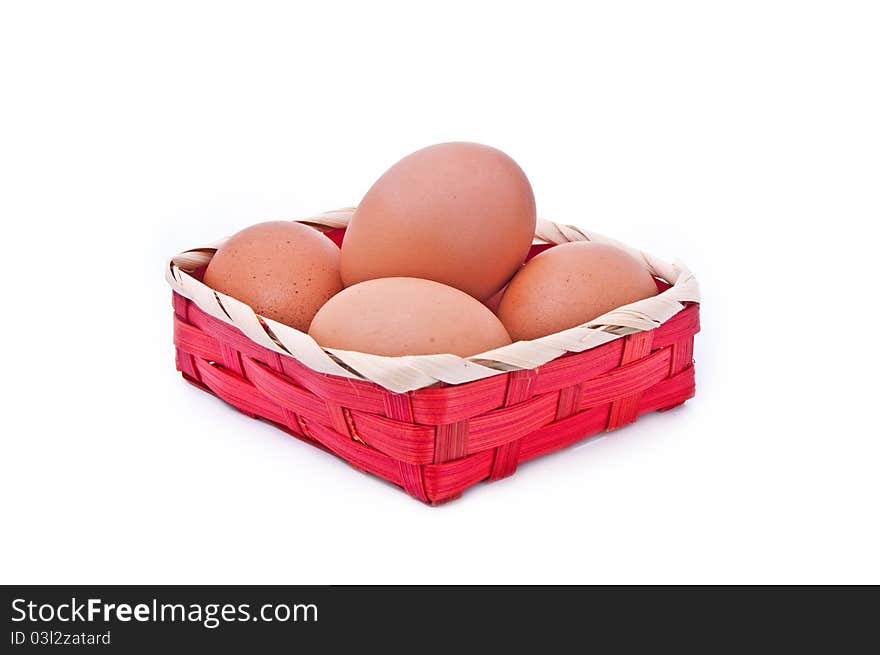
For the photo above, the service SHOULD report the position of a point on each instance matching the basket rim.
(411, 372)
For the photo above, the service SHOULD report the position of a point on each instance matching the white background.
(739, 137)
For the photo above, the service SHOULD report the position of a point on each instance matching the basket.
(438, 424)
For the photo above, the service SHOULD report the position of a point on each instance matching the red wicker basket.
(438, 440)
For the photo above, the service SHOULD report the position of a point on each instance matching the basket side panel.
(581, 395)
(436, 442)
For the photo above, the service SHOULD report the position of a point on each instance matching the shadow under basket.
(438, 441)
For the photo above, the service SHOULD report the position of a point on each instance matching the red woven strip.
(450, 441)
(626, 380)
(186, 364)
(624, 410)
(450, 404)
(397, 406)
(406, 441)
(448, 480)
(519, 390)
(564, 433)
(669, 393)
(682, 355)
(232, 359)
(296, 424)
(636, 346)
(576, 368)
(273, 385)
(354, 394)
(359, 456)
(182, 355)
(519, 387)
(345, 391)
(340, 418)
(238, 392)
(194, 341)
(504, 425)
(569, 401)
(504, 463)
(412, 481)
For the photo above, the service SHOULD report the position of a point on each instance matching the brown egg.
(571, 284)
(458, 213)
(407, 316)
(283, 270)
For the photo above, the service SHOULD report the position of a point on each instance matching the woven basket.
(437, 424)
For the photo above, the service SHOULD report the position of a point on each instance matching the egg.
(283, 270)
(571, 284)
(407, 316)
(462, 214)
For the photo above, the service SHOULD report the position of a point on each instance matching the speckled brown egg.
(458, 213)
(571, 284)
(284, 270)
(407, 316)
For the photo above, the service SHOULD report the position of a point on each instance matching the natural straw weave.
(437, 424)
